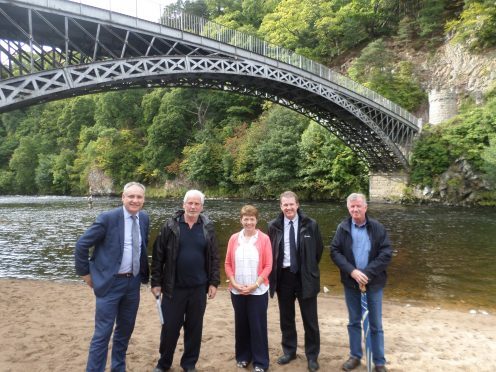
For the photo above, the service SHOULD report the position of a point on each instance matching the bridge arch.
(112, 51)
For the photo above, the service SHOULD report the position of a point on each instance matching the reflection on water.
(443, 255)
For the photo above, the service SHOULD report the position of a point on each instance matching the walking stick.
(366, 327)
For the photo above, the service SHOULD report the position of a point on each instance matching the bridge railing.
(149, 10)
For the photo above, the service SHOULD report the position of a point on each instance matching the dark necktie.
(135, 234)
(292, 249)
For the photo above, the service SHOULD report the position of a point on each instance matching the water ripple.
(441, 253)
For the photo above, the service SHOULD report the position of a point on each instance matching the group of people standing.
(112, 259)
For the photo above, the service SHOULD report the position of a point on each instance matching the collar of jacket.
(347, 223)
(279, 221)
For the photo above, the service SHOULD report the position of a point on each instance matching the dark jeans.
(185, 309)
(353, 302)
(289, 289)
(119, 306)
(250, 324)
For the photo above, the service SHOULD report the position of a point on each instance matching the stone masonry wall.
(385, 187)
(442, 105)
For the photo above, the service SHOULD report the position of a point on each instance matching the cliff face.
(459, 185)
(453, 67)
(449, 75)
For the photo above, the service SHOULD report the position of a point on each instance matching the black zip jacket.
(165, 251)
(379, 256)
(310, 247)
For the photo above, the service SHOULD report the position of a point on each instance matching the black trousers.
(250, 325)
(289, 289)
(185, 309)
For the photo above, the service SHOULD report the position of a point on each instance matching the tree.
(291, 25)
(61, 172)
(203, 163)
(476, 26)
(6, 182)
(431, 18)
(244, 161)
(150, 104)
(121, 109)
(76, 113)
(277, 156)
(327, 167)
(489, 157)
(429, 159)
(23, 163)
(375, 68)
(118, 154)
(85, 161)
(167, 135)
(44, 175)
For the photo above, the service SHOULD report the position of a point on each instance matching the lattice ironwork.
(50, 54)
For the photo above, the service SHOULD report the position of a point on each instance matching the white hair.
(191, 193)
(354, 196)
(131, 184)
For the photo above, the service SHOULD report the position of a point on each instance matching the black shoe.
(159, 369)
(380, 369)
(258, 369)
(351, 363)
(286, 358)
(313, 365)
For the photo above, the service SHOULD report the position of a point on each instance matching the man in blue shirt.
(362, 251)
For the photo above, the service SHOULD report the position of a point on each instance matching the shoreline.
(337, 293)
(46, 325)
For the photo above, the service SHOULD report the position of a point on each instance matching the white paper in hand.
(159, 309)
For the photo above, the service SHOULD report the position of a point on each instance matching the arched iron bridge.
(53, 49)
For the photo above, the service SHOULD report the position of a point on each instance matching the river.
(443, 256)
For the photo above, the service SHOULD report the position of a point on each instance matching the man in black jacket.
(185, 269)
(362, 251)
(297, 248)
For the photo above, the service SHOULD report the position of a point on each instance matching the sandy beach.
(47, 326)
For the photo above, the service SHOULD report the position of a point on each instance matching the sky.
(146, 9)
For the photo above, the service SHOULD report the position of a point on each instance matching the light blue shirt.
(127, 255)
(361, 245)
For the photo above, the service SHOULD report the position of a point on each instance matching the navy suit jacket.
(106, 235)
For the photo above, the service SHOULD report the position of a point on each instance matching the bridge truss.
(53, 49)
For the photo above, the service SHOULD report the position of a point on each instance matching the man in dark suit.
(297, 248)
(118, 264)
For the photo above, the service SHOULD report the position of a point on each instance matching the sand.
(47, 326)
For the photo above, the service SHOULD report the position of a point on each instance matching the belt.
(124, 275)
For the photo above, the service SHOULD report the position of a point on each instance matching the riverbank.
(47, 326)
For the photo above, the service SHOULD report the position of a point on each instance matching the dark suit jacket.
(310, 248)
(379, 256)
(106, 235)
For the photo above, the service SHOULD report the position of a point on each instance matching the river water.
(443, 256)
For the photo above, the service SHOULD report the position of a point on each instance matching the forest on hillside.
(233, 145)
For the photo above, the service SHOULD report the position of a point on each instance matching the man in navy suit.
(117, 266)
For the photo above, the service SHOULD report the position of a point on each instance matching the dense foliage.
(239, 145)
(470, 135)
